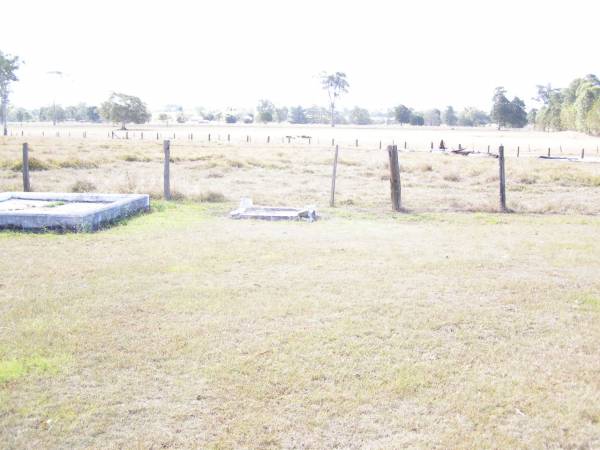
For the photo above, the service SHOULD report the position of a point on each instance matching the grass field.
(450, 326)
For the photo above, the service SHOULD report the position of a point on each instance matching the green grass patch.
(13, 369)
(590, 302)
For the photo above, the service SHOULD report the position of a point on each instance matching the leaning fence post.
(26, 185)
(502, 179)
(518, 151)
(167, 181)
(394, 177)
(582, 153)
(335, 159)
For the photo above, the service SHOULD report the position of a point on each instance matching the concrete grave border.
(111, 207)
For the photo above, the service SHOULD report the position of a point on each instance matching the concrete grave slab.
(247, 210)
(38, 211)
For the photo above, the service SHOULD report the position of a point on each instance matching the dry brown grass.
(183, 328)
(280, 174)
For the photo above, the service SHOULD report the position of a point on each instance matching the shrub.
(34, 164)
(83, 186)
(212, 197)
(76, 163)
(452, 177)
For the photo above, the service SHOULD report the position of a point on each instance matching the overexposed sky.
(233, 52)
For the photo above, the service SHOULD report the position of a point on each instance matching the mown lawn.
(182, 328)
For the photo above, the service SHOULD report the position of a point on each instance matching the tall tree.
(449, 116)
(124, 109)
(281, 114)
(501, 109)
(402, 114)
(432, 117)
(297, 115)
(360, 116)
(265, 110)
(518, 116)
(8, 68)
(335, 84)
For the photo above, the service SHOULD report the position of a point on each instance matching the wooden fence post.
(502, 179)
(332, 197)
(228, 138)
(394, 177)
(357, 142)
(167, 181)
(26, 185)
(548, 152)
(332, 142)
(582, 153)
(518, 151)
(268, 139)
(379, 145)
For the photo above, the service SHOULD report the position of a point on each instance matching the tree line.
(576, 107)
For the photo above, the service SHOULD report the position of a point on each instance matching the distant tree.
(8, 68)
(124, 109)
(432, 117)
(318, 114)
(417, 119)
(281, 114)
(164, 117)
(449, 116)
(532, 116)
(472, 117)
(518, 116)
(19, 115)
(402, 114)
(92, 114)
(181, 118)
(594, 118)
(360, 116)
(54, 113)
(544, 93)
(71, 113)
(230, 118)
(335, 84)
(501, 109)
(549, 116)
(297, 115)
(265, 110)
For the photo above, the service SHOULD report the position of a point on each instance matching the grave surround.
(39, 211)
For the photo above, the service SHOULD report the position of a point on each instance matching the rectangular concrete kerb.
(37, 211)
